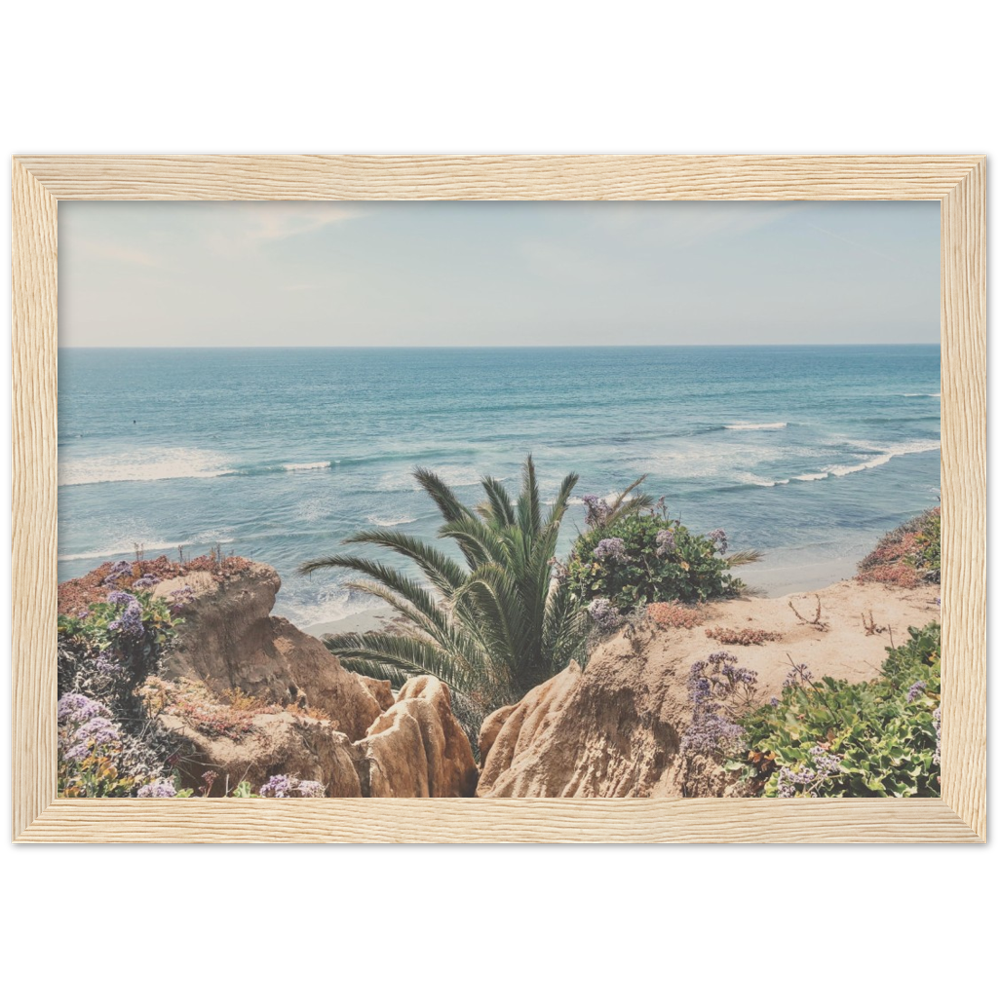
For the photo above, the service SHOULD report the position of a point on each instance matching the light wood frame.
(958, 182)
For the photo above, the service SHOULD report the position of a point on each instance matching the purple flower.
(283, 787)
(106, 665)
(775, 702)
(665, 542)
(181, 596)
(159, 789)
(719, 540)
(915, 691)
(805, 780)
(146, 580)
(277, 787)
(597, 510)
(612, 549)
(129, 622)
(121, 568)
(310, 789)
(799, 674)
(605, 615)
(717, 689)
(74, 709)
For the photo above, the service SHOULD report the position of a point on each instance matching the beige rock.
(416, 748)
(229, 640)
(282, 743)
(614, 730)
(381, 691)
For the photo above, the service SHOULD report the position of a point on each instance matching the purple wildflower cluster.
(121, 568)
(129, 621)
(108, 665)
(916, 690)
(597, 510)
(612, 549)
(605, 615)
(283, 787)
(74, 709)
(717, 689)
(83, 724)
(719, 540)
(799, 675)
(665, 542)
(937, 730)
(804, 780)
(159, 789)
(146, 581)
(180, 597)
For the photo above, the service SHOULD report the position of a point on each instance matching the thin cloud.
(122, 252)
(853, 243)
(255, 226)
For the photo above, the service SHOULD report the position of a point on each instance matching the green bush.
(834, 738)
(644, 557)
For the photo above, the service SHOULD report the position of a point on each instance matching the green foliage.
(884, 731)
(98, 774)
(492, 628)
(927, 556)
(101, 631)
(689, 570)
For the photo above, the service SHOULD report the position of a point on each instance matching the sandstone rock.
(614, 730)
(281, 743)
(381, 691)
(229, 640)
(417, 748)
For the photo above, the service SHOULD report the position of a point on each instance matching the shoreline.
(761, 580)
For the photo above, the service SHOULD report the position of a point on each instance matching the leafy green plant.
(644, 556)
(883, 734)
(492, 628)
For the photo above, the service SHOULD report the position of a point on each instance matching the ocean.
(806, 453)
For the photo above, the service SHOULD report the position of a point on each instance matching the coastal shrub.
(673, 614)
(836, 738)
(492, 625)
(646, 557)
(742, 636)
(908, 555)
(105, 652)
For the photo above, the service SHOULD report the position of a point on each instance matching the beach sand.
(763, 580)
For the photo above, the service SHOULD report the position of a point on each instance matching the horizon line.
(468, 347)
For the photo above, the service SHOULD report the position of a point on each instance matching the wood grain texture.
(963, 498)
(959, 182)
(33, 555)
(677, 178)
(501, 820)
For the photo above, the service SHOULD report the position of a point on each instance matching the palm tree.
(493, 627)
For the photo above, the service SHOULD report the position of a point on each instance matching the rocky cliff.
(614, 729)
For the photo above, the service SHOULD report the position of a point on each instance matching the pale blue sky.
(220, 274)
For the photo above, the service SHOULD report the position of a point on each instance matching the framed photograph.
(510, 498)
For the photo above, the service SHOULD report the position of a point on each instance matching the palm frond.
(744, 557)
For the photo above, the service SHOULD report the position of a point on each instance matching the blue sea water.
(807, 453)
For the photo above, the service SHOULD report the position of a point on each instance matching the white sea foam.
(305, 466)
(756, 427)
(389, 521)
(922, 395)
(120, 550)
(144, 466)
